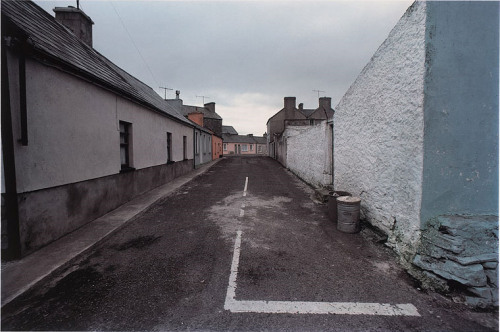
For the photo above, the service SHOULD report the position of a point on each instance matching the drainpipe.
(194, 147)
(331, 122)
(9, 166)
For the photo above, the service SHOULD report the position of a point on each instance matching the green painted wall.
(460, 174)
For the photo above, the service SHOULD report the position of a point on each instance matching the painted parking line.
(297, 307)
(246, 185)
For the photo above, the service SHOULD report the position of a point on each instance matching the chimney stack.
(77, 21)
(289, 103)
(326, 102)
(210, 107)
(177, 94)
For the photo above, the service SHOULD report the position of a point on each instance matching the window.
(169, 147)
(184, 147)
(251, 147)
(259, 148)
(244, 147)
(125, 145)
(225, 146)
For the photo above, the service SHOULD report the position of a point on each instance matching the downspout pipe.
(331, 123)
(9, 167)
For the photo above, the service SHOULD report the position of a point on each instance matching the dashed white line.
(296, 307)
(246, 185)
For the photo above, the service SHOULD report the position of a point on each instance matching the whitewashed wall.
(74, 134)
(378, 133)
(309, 153)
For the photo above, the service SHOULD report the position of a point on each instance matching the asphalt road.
(241, 247)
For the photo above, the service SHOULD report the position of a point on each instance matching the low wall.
(309, 153)
(48, 214)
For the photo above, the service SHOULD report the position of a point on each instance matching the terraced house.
(235, 144)
(80, 136)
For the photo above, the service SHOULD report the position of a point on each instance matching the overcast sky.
(245, 56)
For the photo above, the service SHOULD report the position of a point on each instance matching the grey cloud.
(233, 48)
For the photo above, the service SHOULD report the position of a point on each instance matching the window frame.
(169, 147)
(125, 130)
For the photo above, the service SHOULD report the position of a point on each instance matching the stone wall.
(463, 250)
(309, 153)
(378, 133)
(416, 137)
(461, 109)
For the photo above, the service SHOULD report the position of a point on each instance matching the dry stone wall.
(463, 250)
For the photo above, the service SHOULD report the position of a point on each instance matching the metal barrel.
(332, 203)
(348, 214)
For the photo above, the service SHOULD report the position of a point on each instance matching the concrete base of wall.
(46, 215)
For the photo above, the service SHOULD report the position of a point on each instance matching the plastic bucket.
(348, 214)
(332, 203)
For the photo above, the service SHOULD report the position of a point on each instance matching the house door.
(239, 149)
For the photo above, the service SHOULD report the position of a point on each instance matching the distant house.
(80, 136)
(202, 145)
(416, 137)
(235, 144)
(261, 144)
(229, 130)
(301, 140)
(206, 118)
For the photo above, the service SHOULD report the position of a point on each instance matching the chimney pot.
(177, 94)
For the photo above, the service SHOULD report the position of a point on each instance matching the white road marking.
(246, 185)
(297, 307)
(242, 211)
(231, 288)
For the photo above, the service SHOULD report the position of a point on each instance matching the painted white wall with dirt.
(378, 133)
(73, 131)
(309, 153)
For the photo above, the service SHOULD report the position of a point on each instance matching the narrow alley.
(241, 247)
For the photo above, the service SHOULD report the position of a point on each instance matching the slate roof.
(197, 126)
(307, 112)
(229, 130)
(186, 109)
(260, 139)
(227, 138)
(57, 43)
